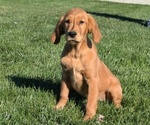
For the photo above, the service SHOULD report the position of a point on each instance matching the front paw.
(88, 117)
(58, 106)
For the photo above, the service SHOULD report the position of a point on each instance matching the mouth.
(73, 42)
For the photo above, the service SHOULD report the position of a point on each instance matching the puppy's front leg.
(63, 93)
(92, 98)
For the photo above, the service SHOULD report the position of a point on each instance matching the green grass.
(30, 71)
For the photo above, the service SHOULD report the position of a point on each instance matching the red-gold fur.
(82, 69)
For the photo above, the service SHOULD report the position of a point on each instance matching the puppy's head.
(76, 24)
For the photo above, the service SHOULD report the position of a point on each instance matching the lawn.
(30, 69)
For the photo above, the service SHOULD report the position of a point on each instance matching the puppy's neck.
(76, 49)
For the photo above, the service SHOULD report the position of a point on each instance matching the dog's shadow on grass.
(44, 85)
(36, 83)
(122, 18)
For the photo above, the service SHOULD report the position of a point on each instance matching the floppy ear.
(93, 28)
(59, 30)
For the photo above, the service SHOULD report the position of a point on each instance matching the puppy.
(82, 69)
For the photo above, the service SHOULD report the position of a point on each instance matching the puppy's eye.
(81, 22)
(67, 21)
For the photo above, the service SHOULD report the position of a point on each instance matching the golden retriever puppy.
(82, 69)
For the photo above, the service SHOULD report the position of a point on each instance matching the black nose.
(72, 34)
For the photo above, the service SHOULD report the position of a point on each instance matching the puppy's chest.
(74, 67)
(70, 64)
